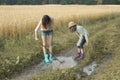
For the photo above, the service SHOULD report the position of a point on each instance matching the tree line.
(40, 2)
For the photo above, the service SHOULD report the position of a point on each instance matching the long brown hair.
(46, 20)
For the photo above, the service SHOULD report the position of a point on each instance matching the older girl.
(46, 27)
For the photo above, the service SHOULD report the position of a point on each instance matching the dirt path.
(42, 67)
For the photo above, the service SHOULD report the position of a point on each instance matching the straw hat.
(71, 24)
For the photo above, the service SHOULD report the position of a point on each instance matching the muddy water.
(89, 69)
(67, 62)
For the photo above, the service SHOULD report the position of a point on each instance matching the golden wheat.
(17, 20)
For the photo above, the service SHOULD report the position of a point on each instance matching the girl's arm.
(36, 30)
(78, 34)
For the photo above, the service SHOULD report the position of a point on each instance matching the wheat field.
(17, 20)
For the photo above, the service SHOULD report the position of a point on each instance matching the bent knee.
(44, 45)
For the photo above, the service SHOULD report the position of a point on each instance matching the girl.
(83, 37)
(46, 27)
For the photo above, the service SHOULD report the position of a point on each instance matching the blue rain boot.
(50, 57)
(46, 58)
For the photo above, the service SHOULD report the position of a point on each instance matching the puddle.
(60, 63)
(90, 68)
(68, 62)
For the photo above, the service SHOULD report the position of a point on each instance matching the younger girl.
(83, 37)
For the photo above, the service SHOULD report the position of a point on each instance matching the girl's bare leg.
(79, 50)
(50, 47)
(82, 51)
(44, 44)
(50, 43)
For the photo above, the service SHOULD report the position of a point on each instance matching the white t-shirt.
(81, 31)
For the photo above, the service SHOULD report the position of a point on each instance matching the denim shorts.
(46, 33)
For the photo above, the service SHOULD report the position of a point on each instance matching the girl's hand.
(36, 39)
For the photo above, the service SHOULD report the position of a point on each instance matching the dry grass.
(18, 20)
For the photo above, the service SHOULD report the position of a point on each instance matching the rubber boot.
(78, 56)
(51, 57)
(81, 56)
(46, 58)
